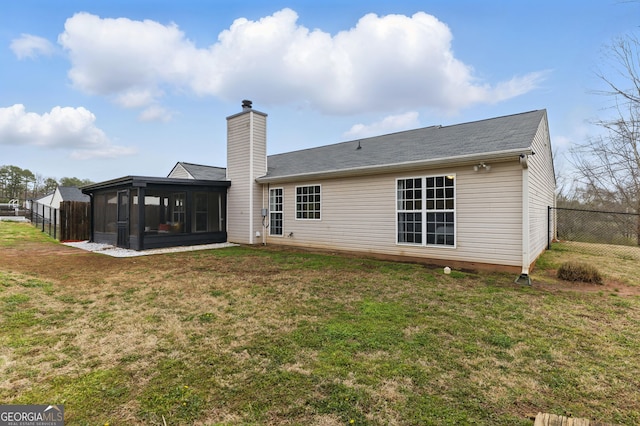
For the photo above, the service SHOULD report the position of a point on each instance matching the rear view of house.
(474, 194)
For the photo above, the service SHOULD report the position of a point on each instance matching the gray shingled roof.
(72, 193)
(495, 135)
(201, 172)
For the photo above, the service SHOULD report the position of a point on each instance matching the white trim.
(269, 210)
(525, 221)
(424, 211)
(251, 179)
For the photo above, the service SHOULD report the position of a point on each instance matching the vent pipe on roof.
(246, 105)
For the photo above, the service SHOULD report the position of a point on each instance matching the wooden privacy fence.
(75, 220)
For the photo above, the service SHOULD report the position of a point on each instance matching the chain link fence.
(595, 227)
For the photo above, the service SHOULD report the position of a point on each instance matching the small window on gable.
(308, 202)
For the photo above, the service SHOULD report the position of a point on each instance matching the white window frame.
(423, 211)
(319, 202)
(273, 213)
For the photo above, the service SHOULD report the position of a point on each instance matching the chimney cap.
(246, 104)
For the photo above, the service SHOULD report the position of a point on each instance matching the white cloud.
(383, 63)
(30, 46)
(136, 98)
(155, 113)
(62, 128)
(390, 124)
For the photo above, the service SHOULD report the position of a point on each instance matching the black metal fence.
(46, 218)
(71, 222)
(591, 226)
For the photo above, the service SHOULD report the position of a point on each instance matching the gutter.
(460, 160)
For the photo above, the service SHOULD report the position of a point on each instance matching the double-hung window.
(275, 211)
(426, 211)
(308, 202)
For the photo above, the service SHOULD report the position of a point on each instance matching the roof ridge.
(492, 118)
(201, 165)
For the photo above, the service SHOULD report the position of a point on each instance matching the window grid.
(275, 211)
(410, 211)
(426, 211)
(308, 202)
(440, 198)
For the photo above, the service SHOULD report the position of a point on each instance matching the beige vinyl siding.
(179, 172)
(489, 214)
(259, 163)
(542, 186)
(359, 214)
(238, 149)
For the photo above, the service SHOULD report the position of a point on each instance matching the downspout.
(524, 275)
(265, 192)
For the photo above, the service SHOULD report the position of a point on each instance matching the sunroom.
(142, 213)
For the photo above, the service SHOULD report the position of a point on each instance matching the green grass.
(260, 336)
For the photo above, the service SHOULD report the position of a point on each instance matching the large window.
(426, 210)
(308, 202)
(275, 211)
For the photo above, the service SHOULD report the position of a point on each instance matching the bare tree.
(624, 79)
(608, 166)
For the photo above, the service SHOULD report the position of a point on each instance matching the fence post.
(549, 227)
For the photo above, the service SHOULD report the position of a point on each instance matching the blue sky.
(99, 90)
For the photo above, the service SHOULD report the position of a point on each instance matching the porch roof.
(144, 181)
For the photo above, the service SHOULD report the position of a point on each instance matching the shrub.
(578, 271)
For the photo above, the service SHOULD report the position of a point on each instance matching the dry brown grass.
(254, 336)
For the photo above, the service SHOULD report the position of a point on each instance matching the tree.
(608, 166)
(50, 185)
(15, 182)
(74, 181)
(24, 184)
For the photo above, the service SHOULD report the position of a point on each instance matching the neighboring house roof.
(72, 193)
(197, 171)
(492, 138)
(45, 199)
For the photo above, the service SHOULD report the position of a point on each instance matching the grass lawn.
(261, 336)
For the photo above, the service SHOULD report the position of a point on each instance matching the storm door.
(123, 219)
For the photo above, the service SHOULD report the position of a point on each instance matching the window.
(308, 202)
(426, 210)
(275, 211)
(410, 211)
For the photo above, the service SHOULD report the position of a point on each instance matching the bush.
(578, 271)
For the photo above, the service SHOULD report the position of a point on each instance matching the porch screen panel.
(165, 212)
(133, 215)
(206, 212)
(99, 212)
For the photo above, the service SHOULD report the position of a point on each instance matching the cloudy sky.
(100, 90)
